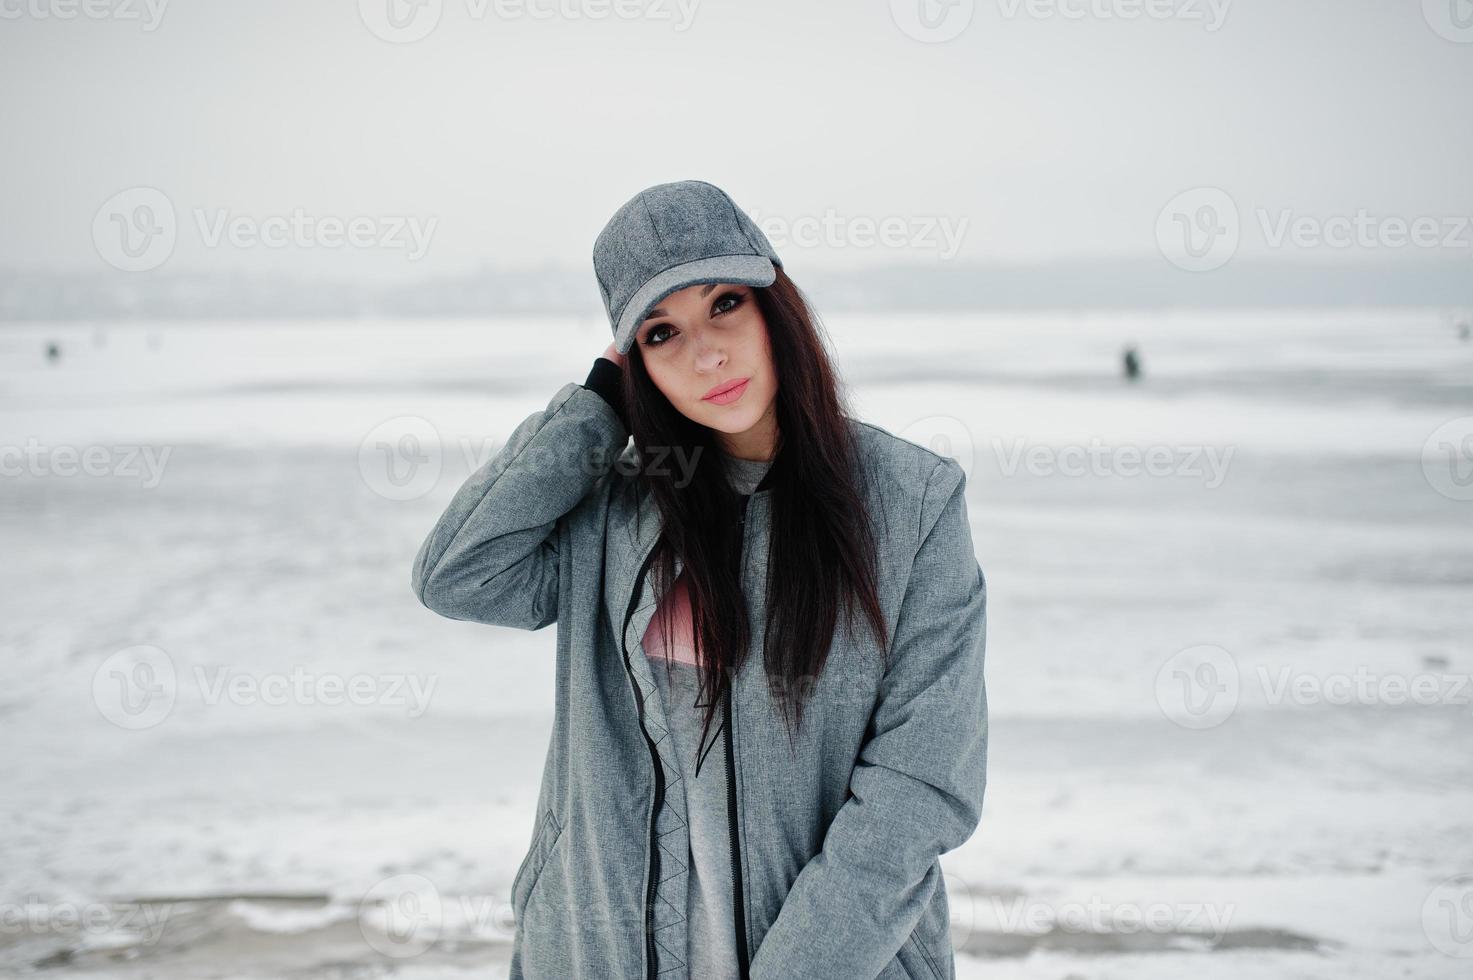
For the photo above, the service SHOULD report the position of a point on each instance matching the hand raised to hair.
(613, 354)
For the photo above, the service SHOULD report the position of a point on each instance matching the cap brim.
(745, 270)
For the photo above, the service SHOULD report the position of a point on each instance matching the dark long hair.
(823, 549)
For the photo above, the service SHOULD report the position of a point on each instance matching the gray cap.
(670, 236)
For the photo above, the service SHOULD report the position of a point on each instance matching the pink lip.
(726, 394)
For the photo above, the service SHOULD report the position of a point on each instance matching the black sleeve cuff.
(606, 379)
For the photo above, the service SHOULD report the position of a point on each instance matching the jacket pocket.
(930, 943)
(920, 961)
(522, 886)
(912, 962)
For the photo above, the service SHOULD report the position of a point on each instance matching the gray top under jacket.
(712, 952)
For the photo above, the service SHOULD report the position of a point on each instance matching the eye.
(725, 303)
(736, 300)
(650, 338)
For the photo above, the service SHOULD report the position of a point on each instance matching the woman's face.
(704, 338)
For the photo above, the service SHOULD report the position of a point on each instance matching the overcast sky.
(1046, 128)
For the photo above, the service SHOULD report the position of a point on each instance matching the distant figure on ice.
(53, 352)
(1131, 362)
(1465, 330)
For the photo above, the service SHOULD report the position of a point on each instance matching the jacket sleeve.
(916, 788)
(492, 557)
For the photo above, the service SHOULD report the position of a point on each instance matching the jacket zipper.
(737, 895)
(652, 864)
(738, 898)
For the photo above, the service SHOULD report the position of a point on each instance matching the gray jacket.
(836, 837)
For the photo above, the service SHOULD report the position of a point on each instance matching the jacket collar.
(643, 528)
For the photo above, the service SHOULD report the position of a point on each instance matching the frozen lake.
(1228, 657)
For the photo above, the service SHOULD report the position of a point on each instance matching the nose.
(709, 356)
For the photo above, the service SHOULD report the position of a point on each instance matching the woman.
(741, 782)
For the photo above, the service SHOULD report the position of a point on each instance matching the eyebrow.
(659, 312)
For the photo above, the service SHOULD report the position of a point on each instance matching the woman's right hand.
(613, 354)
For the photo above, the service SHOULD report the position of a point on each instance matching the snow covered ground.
(1228, 657)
